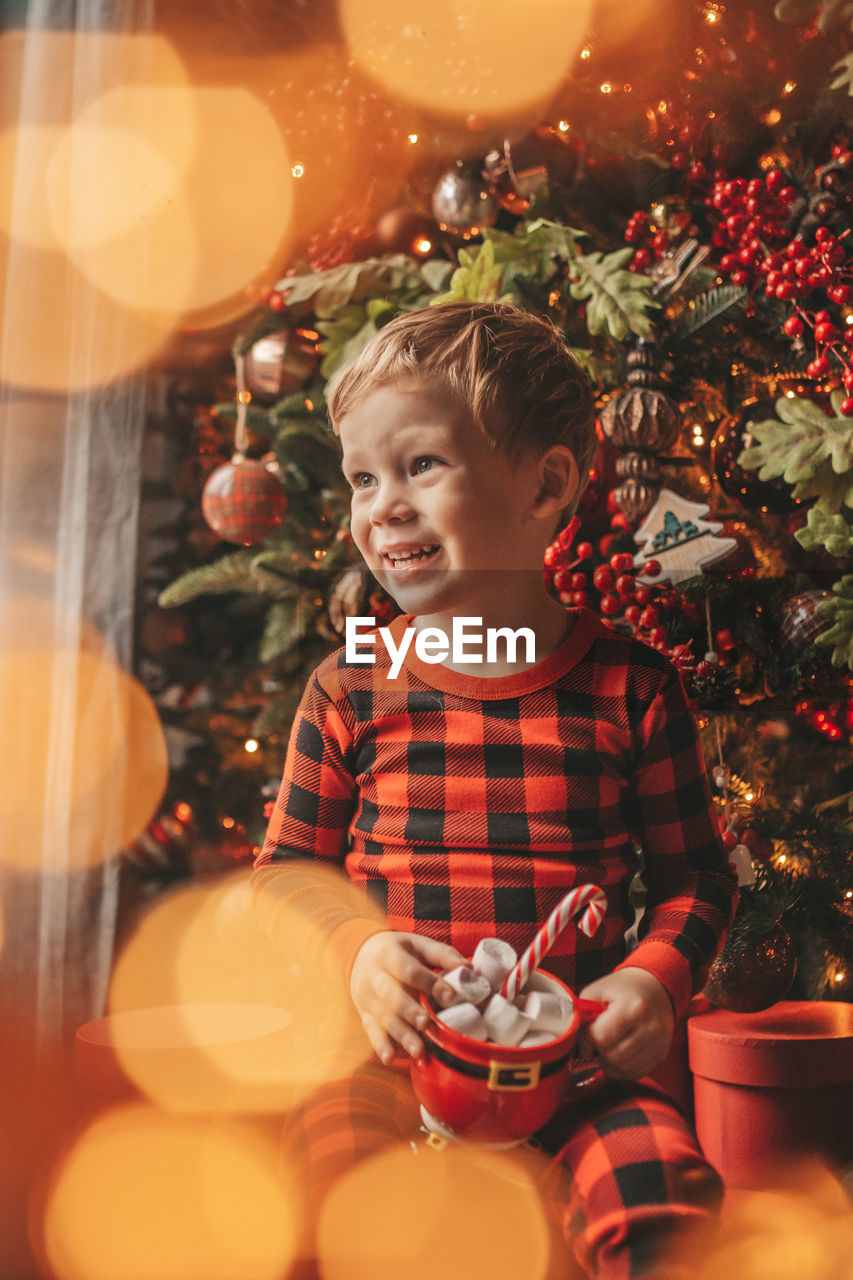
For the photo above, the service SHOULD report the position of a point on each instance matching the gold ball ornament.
(280, 363)
(463, 203)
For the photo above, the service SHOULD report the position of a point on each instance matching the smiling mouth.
(406, 561)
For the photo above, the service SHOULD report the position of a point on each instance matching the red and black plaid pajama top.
(467, 806)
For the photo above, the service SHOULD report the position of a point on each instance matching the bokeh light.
(169, 1198)
(457, 1212)
(348, 151)
(211, 218)
(83, 761)
(802, 1227)
(45, 78)
(493, 58)
(203, 946)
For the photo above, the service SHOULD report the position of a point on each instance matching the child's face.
(433, 507)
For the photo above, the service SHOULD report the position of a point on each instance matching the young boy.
(467, 794)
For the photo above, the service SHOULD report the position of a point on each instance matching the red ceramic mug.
(499, 1094)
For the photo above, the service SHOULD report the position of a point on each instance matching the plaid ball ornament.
(243, 500)
(800, 624)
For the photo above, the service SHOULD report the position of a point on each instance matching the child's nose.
(390, 503)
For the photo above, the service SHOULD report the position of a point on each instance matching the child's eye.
(361, 480)
(421, 465)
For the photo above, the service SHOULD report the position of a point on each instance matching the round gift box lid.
(795, 1042)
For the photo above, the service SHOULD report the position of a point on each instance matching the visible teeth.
(411, 555)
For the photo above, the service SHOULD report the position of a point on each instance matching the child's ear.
(558, 478)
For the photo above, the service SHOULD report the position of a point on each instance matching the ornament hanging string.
(244, 396)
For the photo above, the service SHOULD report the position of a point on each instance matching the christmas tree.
(687, 225)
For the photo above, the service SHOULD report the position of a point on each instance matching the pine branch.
(232, 573)
(705, 310)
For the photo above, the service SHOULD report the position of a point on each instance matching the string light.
(839, 975)
(297, 170)
(422, 246)
(564, 127)
(789, 86)
(251, 745)
(413, 137)
(606, 87)
(585, 53)
(228, 823)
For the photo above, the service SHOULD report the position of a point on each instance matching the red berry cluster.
(824, 269)
(613, 589)
(753, 217)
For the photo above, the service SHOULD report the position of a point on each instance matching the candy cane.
(588, 901)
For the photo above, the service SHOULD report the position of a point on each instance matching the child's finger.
(439, 955)
(396, 1001)
(379, 1041)
(408, 970)
(405, 1036)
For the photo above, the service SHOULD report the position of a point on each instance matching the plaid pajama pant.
(624, 1181)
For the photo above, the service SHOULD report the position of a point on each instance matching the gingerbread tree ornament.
(678, 536)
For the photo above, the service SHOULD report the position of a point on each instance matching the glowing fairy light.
(789, 86)
(413, 137)
(251, 745)
(606, 87)
(563, 126)
(586, 54)
(297, 170)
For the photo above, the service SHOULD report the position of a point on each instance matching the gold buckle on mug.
(515, 1077)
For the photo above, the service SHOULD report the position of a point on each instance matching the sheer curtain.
(69, 493)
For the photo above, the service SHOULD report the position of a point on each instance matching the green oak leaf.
(839, 610)
(798, 442)
(826, 529)
(800, 13)
(353, 282)
(616, 298)
(844, 78)
(832, 490)
(478, 278)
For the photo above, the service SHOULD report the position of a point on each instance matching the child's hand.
(634, 1033)
(390, 968)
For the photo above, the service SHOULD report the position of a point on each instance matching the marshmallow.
(466, 1019)
(493, 959)
(505, 1024)
(469, 986)
(548, 1012)
(534, 1038)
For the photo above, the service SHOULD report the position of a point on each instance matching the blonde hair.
(510, 370)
